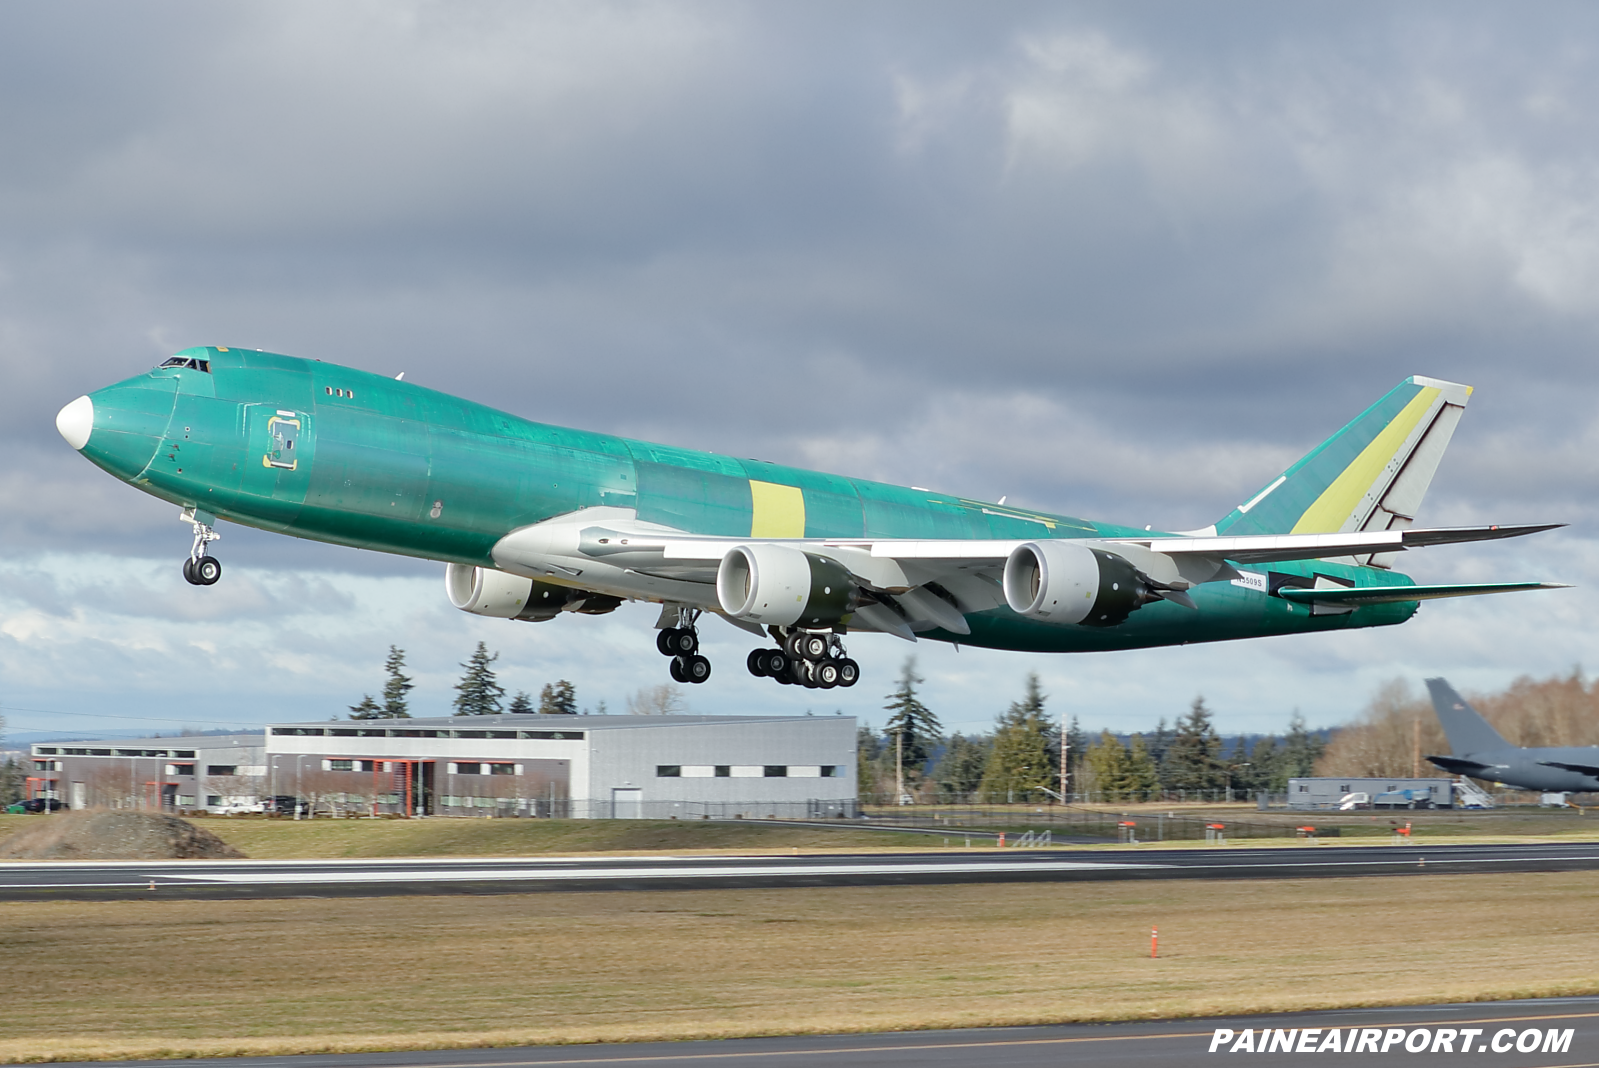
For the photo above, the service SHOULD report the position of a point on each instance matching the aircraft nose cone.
(76, 422)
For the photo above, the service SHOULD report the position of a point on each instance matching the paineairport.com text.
(1391, 1039)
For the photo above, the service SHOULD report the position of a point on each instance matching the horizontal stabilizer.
(1457, 766)
(1359, 595)
(1580, 769)
(1275, 548)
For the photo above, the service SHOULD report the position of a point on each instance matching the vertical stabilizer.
(1371, 475)
(1467, 731)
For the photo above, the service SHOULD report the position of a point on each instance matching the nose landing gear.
(682, 644)
(805, 658)
(201, 568)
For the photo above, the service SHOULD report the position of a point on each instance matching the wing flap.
(1358, 595)
(1580, 769)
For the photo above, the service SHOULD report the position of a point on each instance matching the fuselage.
(1537, 768)
(328, 453)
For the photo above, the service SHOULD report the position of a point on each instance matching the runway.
(322, 878)
(1154, 1044)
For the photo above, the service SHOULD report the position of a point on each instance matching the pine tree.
(395, 705)
(13, 781)
(1301, 750)
(868, 754)
(1019, 767)
(1142, 780)
(558, 700)
(479, 692)
(1076, 749)
(1265, 761)
(1193, 761)
(959, 772)
(367, 709)
(1107, 762)
(911, 725)
(521, 704)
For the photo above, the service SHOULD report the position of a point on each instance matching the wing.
(1475, 768)
(1580, 769)
(1359, 595)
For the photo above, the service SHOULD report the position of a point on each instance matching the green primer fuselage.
(380, 464)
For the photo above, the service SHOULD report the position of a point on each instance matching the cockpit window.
(185, 361)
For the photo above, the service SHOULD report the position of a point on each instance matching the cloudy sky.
(1118, 260)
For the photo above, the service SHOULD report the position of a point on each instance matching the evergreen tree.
(1193, 761)
(959, 772)
(558, 700)
(1142, 778)
(1106, 760)
(1265, 760)
(1019, 766)
(1077, 748)
(1301, 750)
(868, 753)
(912, 728)
(521, 704)
(1159, 745)
(367, 709)
(479, 692)
(395, 704)
(13, 782)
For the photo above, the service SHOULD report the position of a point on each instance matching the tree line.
(478, 693)
(1021, 758)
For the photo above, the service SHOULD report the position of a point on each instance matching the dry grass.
(176, 978)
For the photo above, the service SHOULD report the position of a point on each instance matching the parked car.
(36, 804)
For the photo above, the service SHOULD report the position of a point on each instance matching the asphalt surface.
(322, 878)
(1155, 1044)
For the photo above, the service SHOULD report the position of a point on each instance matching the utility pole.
(1065, 747)
(899, 766)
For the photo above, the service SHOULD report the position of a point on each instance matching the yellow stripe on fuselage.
(1338, 501)
(778, 511)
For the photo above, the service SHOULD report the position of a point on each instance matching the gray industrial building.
(655, 767)
(1330, 793)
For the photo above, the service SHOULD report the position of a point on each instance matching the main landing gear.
(682, 644)
(201, 568)
(805, 658)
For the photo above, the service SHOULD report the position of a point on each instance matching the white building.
(584, 766)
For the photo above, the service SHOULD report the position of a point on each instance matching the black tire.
(679, 674)
(804, 672)
(792, 646)
(849, 672)
(188, 572)
(697, 668)
(756, 662)
(684, 641)
(826, 673)
(776, 662)
(663, 641)
(207, 570)
(814, 647)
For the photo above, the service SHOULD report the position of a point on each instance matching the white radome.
(76, 422)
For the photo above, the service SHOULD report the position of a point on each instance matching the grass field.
(186, 978)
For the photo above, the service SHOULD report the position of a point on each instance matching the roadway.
(1145, 1044)
(23, 880)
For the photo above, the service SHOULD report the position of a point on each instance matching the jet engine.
(1067, 582)
(779, 585)
(486, 592)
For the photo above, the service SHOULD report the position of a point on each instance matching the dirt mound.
(109, 835)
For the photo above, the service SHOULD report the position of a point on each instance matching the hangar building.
(599, 767)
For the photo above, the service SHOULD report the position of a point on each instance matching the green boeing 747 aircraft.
(532, 520)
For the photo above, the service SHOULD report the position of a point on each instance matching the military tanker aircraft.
(1482, 752)
(532, 520)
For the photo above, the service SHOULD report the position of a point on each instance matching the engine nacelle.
(1067, 582)
(486, 592)
(778, 585)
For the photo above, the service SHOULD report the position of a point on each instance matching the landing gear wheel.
(188, 572)
(696, 667)
(813, 647)
(849, 672)
(679, 670)
(794, 646)
(663, 641)
(826, 673)
(804, 672)
(680, 641)
(756, 662)
(206, 571)
(775, 663)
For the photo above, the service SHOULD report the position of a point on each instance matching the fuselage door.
(282, 431)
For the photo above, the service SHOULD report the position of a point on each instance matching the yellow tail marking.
(1338, 501)
(779, 511)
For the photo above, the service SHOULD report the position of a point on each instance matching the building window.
(668, 771)
(776, 771)
(724, 771)
(501, 769)
(829, 771)
(185, 800)
(341, 765)
(213, 800)
(180, 769)
(221, 769)
(469, 769)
